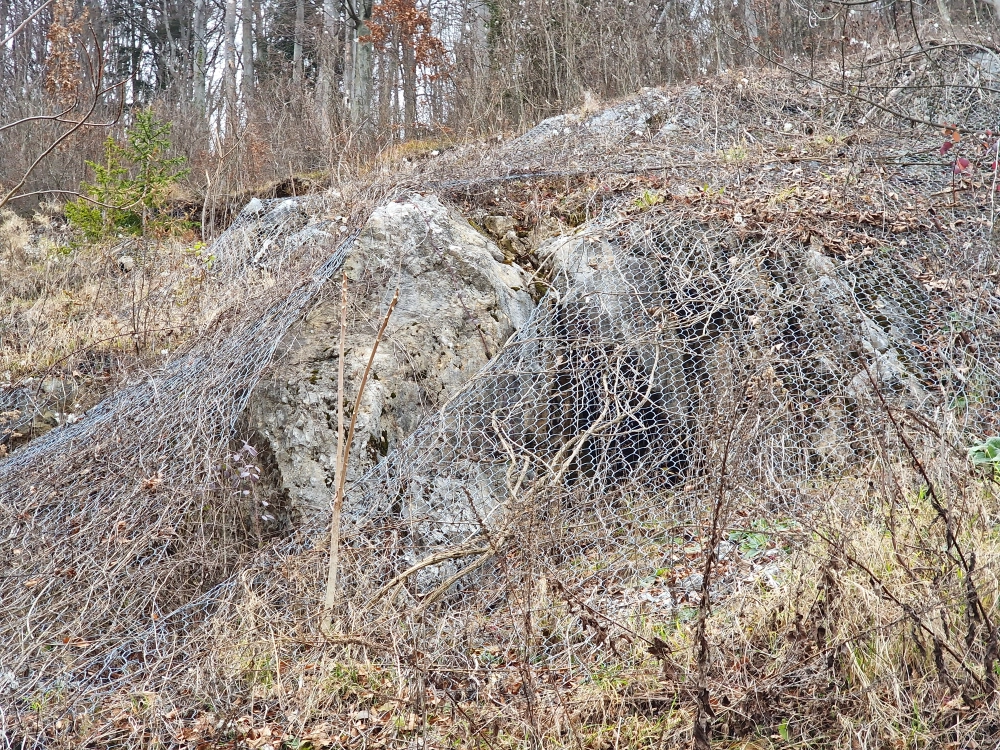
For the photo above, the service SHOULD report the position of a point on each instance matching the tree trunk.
(409, 88)
(198, 62)
(171, 53)
(185, 16)
(229, 61)
(386, 91)
(263, 49)
(361, 99)
(300, 32)
(348, 61)
(4, 14)
(327, 61)
(750, 23)
(247, 52)
(481, 59)
(944, 12)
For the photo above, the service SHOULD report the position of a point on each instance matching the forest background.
(260, 91)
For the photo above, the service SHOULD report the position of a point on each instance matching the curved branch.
(79, 195)
(25, 22)
(35, 118)
(99, 91)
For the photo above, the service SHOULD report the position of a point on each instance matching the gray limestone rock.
(458, 304)
(883, 364)
(610, 309)
(638, 115)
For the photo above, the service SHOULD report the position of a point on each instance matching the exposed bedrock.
(650, 331)
(615, 357)
(458, 305)
(643, 330)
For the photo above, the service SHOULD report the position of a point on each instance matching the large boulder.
(458, 304)
(675, 324)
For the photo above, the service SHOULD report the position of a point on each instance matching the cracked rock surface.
(458, 304)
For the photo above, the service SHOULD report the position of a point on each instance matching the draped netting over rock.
(693, 350)
(666, 350)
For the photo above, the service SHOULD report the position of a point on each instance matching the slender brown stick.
(344, 449)
(330, 596)
(36, 118)
(80, 196)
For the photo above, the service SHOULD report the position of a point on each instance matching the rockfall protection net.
(87, 529)
(264, 238)
(695, 361)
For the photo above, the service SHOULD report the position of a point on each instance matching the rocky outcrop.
(669, 325)
(880, 346)
(458, 304)
(610, 310)
(641, 329)
(267, 232)
(651, 114)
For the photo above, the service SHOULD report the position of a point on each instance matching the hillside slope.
(715, 487)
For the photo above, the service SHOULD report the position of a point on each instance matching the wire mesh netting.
(703, 374)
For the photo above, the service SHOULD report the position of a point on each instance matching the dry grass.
(78, 320)
(856, 640)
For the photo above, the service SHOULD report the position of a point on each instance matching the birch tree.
(229, 62)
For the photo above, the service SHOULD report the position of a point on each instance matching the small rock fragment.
(498, 226)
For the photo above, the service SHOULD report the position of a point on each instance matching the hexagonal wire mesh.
(681, 374)
(664, 356)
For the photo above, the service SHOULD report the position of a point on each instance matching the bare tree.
(247, 50)
(85, 117)
(409, 87)
(361, 80)
(230, 65)
(199, 34)
(326, 84)
(299, 34)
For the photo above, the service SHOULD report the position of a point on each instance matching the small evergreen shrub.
(131, 188)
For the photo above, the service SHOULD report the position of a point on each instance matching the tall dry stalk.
(344, 449)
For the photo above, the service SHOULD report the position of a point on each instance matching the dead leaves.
(153, 483)
(209, 730)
